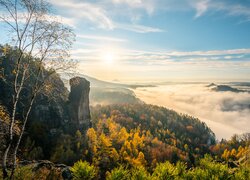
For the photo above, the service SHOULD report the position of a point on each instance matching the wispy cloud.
(232, 8)
(68, 21)
(201, 7)
(101, 38)
(99, 14)
(138, 28)
(87, 11)
(210, 53)
(147, 5)
(218, 58)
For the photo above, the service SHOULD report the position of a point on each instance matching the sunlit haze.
(159, 40)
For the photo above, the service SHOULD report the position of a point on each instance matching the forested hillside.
(167, 134)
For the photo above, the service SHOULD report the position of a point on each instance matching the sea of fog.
(226, 113)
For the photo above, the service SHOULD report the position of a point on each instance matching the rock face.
(79, 103)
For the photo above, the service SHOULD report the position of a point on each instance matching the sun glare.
(108, 57)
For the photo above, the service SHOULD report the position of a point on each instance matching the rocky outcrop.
(68, 114)
(50, 105)
(79, 103)
(44, 169)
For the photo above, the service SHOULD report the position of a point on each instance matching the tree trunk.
(21, 135)
(16, 99)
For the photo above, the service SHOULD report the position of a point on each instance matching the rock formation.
(47, 169)
(79, 103)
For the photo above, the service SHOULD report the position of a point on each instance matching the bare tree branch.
(41, 40)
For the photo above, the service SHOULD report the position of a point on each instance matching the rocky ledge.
(44, 169)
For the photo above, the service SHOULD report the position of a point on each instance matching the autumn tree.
(41, 41)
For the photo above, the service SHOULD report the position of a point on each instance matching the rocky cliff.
(56, 112)
(79, 103)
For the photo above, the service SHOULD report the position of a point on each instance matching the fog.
(226, 113)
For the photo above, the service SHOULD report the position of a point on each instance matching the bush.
(120, 173)
(209, 169)
(242, 173)
(164, 171)
(140, 173)
(24, 172)
(83, 171)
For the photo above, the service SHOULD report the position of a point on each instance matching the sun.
(108, 57)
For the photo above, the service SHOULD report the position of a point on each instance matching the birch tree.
(41, 39)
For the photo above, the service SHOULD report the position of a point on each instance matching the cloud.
(87, 11)
(67, 21)
(201, 7)
(83, 51)
(100, 15)
(101, 38)
(104, 14)
(148, 5)
(218, 57)
(225, 112)
(138, 28)
(233, 58)
(210, 53)
(233, 8)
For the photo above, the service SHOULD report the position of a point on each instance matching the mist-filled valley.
(224, 107)
(225, 112)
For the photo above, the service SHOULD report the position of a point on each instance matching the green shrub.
(120, 173)
(164, 171)
(209, 169)
(83, 171)
(24, 172)
(140, 173)
(242, 173)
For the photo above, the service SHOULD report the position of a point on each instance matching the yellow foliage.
(233, 152)
(104, 141)
(225, 154)
(122, 135)
(114, 154)
(92, 140)
(141, 159)
(4, 114)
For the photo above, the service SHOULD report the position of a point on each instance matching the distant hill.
(105, 93)
(241, 83)
(211, 85)
(105, 84)
(223, 88)
(99, 83)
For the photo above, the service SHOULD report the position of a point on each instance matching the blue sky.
(148, 40)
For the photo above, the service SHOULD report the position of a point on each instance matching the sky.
(159, 40)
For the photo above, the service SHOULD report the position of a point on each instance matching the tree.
(165, 171)
(140, 173)
(119, 173)
(40, 40)
(83, 170)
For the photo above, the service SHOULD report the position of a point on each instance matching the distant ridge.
(105, 84)
(223, 88)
